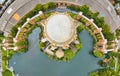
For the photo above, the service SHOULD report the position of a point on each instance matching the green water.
(36, 63)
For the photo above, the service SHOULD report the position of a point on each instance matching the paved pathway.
(21, 7)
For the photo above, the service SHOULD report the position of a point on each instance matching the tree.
(38, 8)
(68, 54)
(106, 72)
(94, 74)
(110, 36)
(95, 15)
(117, 1)
(49, 5)
(84, 9)
(118, 32)
(74, 7)
(103, 72)
(109, 54)
(102, 64)
(105, 29)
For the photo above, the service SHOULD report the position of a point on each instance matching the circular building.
(60, 29)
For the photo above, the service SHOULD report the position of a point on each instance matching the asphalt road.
(21, 7)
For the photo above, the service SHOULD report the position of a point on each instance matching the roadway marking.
(16, 17)
(9, 10)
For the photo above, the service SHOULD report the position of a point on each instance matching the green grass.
(22, 43)
(7, 73)
(97, 54)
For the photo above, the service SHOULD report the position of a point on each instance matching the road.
(21, 7)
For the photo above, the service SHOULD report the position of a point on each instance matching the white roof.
(59, 28)
(59, 53)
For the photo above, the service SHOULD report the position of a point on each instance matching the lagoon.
(36, 63)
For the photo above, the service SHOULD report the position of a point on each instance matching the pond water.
(36, 63)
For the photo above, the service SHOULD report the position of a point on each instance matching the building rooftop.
(63, 28)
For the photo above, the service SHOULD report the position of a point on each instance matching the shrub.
(112, 63)
(118, 32)
(72, 14)
(109, 54)
(38, 8)
(102, 64)
(68, 55)
(7, 73)
(109, 36)
(10, 53)
(4, 59)
(74, 7)
(103, 72)
(49, 5)
(97, 54)
(14, 31)
(83, 20)
(93, 74)
(37, 19)
(84, 9)
(119, 50)
(23, 50)
(42, 45)
(78, 46)
(47, 14)
(80, 28)
(110, 47)
(22, 43)
(1, 37)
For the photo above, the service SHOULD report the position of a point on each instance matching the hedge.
(80, 28)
